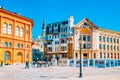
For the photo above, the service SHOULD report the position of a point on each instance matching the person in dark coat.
(27, 65)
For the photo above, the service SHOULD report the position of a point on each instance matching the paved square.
(18, 72)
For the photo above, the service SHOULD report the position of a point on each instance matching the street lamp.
(80, 44)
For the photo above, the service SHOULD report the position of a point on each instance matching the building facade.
(38, 49)
(62, 38)
(97, 43)
(56, 37)
(15, 38)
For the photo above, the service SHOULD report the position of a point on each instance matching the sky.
(103, 13)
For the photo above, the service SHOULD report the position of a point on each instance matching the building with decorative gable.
(62, 38)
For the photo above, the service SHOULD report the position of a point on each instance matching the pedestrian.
(1, 64)
(27, 65)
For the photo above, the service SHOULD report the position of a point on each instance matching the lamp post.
(80, 44)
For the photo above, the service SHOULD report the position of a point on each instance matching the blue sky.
(104, 13)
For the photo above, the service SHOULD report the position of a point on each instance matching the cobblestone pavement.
(18, 72)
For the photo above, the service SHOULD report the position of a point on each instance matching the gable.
(86, 23)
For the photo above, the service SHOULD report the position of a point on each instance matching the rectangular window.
(107, 47)
(100, 55)
(107, 39)
(114, 48)
(27, 31)
(84, 37)
(117, 41)
(84, 46)
(63, 48)
(117, 48)
(103, 39)
(114, 40)
(104, 46)
(88, 38)
(111, 47)
(99, 38)
(111, 40)
(94, 55)
(100, 46)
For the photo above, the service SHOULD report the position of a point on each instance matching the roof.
(16, 15)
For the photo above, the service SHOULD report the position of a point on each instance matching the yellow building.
(97, 43)
(15, 38)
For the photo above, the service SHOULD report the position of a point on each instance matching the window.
(63, 41)
(107, 47)
(18, 45)
(17, 31)
(4, 28)
(21, 46)
(27, 31)
(5, 44)
(107, 39)
(114, 40)
(88, 38)
(111, 55)
(104, 46)
(114, 48)
(100, 46)
(107, 55)
(88, 45)
(104, 55)
(94, 55)
(111, 47)
(103, 39)
(9, 44)
(7, 56)
(117, 41)
(21, 32)
(84, 38)
(99, 38)
(111, 40)
(100, 55)
(49, 49)
(84, 46)
(27, 55)
(63, 48)
(9, 29)
(117, 48)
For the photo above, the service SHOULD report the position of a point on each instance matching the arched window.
(21, 32)
(17, 31)
(9, 44)
(7, 56)
(9, 29)
(21, 46)
(4, 28)
(18, 45)
(5, 44)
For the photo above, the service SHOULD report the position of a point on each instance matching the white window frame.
(9, 29)
(4, 28)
